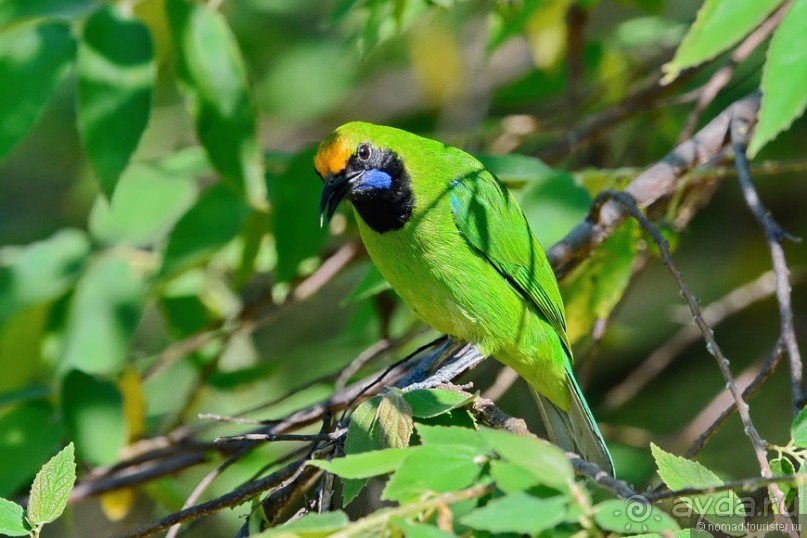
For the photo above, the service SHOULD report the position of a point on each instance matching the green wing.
(493, 223)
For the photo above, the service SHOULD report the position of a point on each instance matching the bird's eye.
(364, 152)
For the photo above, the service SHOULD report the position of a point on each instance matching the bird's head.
(358, 162)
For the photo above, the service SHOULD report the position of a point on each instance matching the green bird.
(454, 244)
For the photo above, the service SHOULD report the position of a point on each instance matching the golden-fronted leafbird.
(455, 245)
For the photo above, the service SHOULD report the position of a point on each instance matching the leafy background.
(156, 185)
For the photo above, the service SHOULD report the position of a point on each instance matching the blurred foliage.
(162, 255)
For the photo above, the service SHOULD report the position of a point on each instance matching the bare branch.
(712, 346)
(741, 128)
(656, 183)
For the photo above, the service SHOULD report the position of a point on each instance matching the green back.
(492, 222)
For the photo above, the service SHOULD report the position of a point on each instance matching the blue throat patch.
(374, 179)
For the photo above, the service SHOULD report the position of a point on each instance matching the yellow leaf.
(546, 32)
(134, 404)
(116, 504)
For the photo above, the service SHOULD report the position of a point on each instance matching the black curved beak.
(333, 191)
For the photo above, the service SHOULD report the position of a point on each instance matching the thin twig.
(746, 484)
(737, 300)
(629, 204)
(764, 373)
(741, 128)
(234, 498)
(271, 437)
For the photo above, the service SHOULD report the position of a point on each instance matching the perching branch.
(655, 184)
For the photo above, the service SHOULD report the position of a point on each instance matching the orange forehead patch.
(332, 156)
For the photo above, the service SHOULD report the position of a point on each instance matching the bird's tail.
(576, 430)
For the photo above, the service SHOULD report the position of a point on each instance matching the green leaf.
(783, 78)
(420, 530)
(116, 70)
(438, 468)
(51, 487)
(427, 403)
(394, 420)
(361, 437)
(678, 473)
(594, 289)
(40, 271)
(511, 477)
(553, 205)
(94, 417)
(211, 223)
(802, 492)
(366, 464)
(782, 467)
(12, 519)
(719, 25)
(122, 221)
(103, 315)
(12, 10)
(545, 461)
(295, 215)
(370, 285)
(310, 525)
(33, 59)
(23, 448)
(214, 81)
(452, 435)
(798, 430)
(517, 170)
(519, 513)
(632, 516)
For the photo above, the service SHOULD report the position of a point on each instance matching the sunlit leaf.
(51, 487)
(122, 221)
(427, 403)
(311, 525)
(679, 473)
(116, 72)
(12, 519)
(362, 436)
(519, 513)
(210, 224)
(33, 59)
(545, 461)
(437, 468)
(420, 530)
(40, 271)
(365, 464)
(214, 80)
(94, 417)
(719, 25)
(783, 78)
(104, 312)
